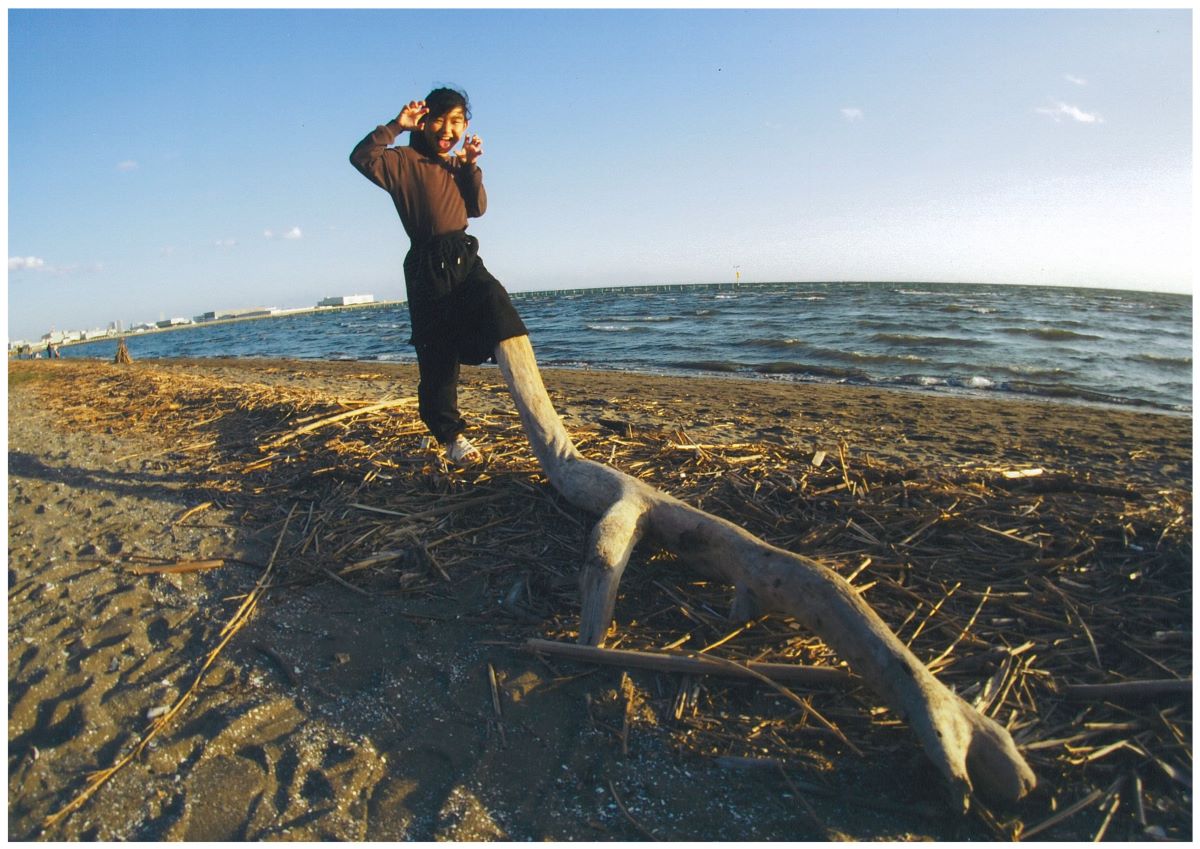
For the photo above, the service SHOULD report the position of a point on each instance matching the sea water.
(1093, 346)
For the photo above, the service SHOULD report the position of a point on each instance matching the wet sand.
(352, 715)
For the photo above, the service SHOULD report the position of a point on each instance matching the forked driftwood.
(971, 750)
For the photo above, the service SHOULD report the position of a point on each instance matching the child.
(459, 311)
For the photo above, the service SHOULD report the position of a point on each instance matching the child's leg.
(437, 393)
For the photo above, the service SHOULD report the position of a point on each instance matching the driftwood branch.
(971, 750)
(1129, 691)
(694, 664)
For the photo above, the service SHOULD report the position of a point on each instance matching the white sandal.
(462, 452)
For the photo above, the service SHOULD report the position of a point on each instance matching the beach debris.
(122, 357)
(178, 567)
(289, 669)
(189, 513)
(161, 720)
(693, 663)
(1016, 634)
(645, 832)
(1131, 691)
(340, 417)
(970, 749)
(495, 690)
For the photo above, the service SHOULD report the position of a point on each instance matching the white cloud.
(127, 165)
(1072, 78)
(35, 263)
(852, 113)
(268, 234)
(225, 243)
(294, 233)
(1062, 110)
(167, 250)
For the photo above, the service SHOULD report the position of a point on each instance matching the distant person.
(459, 311)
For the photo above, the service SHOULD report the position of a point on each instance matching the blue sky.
(165, 163)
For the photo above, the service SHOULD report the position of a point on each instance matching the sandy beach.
(379, 685)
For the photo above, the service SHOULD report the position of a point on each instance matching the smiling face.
(443, 132)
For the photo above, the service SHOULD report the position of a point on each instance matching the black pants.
(460, 313)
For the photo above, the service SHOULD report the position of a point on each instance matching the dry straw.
(1057, 600)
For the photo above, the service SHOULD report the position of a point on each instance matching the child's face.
(444, 131)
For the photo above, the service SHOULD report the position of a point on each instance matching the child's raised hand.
(412, 115)
(472, 149)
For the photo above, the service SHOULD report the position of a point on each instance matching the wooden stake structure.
(972, 751)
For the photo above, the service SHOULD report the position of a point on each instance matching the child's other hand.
(472, 149)
(412, 115)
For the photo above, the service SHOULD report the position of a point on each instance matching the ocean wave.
(1029, 343)
(958, 308)
(917, 380)
(1156, 360)
(916, 340)
(811, 370)
(1015, 369)
(1050, 334)
(775, 342)
(840, 355)
(1160, 315)
(1067, 391)
(706, 365)
(616, 328)
(879, 359)
(869, 323)
(635, 319)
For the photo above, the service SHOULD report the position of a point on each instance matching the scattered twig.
(693, 664)
(349, 414)
(235, 623)
(1128, 691)
(199, 508)
(645, 832)
(178, 568)
(495, 690)
(281, 661)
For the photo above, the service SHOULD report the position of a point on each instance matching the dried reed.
(1019, 587)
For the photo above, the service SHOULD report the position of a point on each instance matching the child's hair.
(442, 100)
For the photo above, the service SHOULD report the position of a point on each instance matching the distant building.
(346, 300)
(174, 322)
(228, 315)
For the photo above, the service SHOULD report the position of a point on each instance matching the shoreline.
(282, 313)
(382, 690)
(937, 390)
